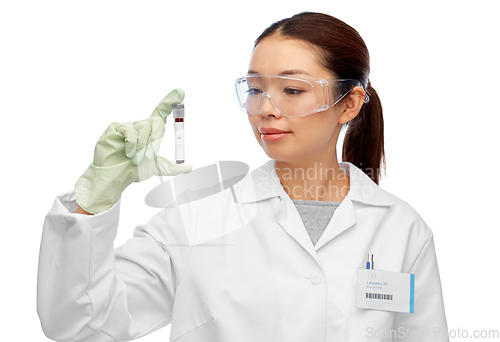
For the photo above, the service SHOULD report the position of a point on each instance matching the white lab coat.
(221, 271)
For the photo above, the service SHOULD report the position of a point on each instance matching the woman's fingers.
(143, 129)
(157, 132)
(129, 132)
(138, 135)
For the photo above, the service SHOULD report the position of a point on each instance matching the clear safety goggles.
(292, 96)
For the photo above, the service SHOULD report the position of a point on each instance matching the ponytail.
(364, 140)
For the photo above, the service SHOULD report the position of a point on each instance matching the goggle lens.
(290, 96)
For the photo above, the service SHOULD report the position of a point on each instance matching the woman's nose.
(267, 106)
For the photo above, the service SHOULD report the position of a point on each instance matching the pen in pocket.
(369, 263)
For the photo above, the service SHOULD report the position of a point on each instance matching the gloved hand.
(124, 154)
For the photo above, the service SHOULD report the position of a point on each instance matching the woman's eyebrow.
(285, 72)
(294, 72)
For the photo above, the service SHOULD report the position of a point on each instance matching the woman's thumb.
(170, 168)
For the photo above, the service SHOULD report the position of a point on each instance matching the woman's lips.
(273, 136)
(271, 130)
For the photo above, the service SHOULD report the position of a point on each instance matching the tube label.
(179, 140)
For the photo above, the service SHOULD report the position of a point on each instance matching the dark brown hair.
(343, 52)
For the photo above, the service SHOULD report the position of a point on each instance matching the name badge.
(384, 290)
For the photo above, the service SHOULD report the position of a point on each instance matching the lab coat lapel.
(290, 220)
(342, 219)
(362, 189)
(263, 183)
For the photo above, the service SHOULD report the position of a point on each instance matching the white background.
(70, 68)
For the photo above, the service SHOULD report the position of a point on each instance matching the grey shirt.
(316, 215)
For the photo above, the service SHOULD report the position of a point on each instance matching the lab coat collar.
(265, 184)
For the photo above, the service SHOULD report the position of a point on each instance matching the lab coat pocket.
(201, 332)
(368, 324)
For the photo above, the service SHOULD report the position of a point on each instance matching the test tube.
(178, 109)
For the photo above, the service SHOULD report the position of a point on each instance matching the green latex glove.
(125, 153)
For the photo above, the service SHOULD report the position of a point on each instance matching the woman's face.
(312, 137)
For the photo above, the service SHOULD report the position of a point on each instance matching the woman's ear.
(351, 105)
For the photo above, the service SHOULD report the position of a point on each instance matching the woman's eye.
(254, 91)
(291, 91)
